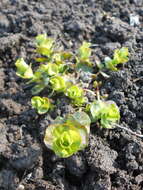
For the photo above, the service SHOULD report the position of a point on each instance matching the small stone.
(4, 23)
(134, 20)
(20, 187)
(26, 158)
(76, 165)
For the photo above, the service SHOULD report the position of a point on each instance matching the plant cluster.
(57, 73)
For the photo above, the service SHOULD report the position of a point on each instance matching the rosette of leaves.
(68, 135)
(62, 60)
(23, 69)
(42, 105)
(44, 45)
(76, 94)
(84, 51)
(83, 58)
(58, 83)
(106, 112)
(120, 56)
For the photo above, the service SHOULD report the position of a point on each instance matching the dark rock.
(129, 116)
(3, 138)
(74, 26)
(139, 178)
(118, 97)
(136, 2)
(75, 165)
(132, 165)
(38, 173)
(4, 23)
(26, 158)
(8, 180)
(109, 48)
(96, 183)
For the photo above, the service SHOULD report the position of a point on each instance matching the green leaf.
(58, 83)
(66, 55)
(44, 45)
(111, 115)
(84, 67)
(74, 92)
(42, 59)
(79, 101)
(82, 119)
(42, 105)
(84, 51)
(106, 112)
(110, 63)
(96, 109)
(50, 68)
(121, 55)
(57, 58)
(40, 39)
(37, 89)
(23, 70)
(59, 120)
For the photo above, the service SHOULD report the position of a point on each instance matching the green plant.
(42, 105)
(44, 45)
(68, 135)
(23, 70)
(58, 83)
(59, 72)
(76, 94)
(106, 112)
(83, 58)
(120, 56)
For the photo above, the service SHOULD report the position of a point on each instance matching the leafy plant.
(106, 112)
(84, 51)
(44, 45)
(59, 71)
(76, 94)
(69, 135)
(58, 83)
(120, 56)
(23, 70)
(42, 105)
(50, 68)
(83, 58)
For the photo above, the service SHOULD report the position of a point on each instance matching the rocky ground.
(114, 158)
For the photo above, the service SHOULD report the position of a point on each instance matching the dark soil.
(114, 159)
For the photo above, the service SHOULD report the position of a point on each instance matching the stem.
(98, 94)
(87, 90)
(129, 130)
(51, 94)
(137, 79)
